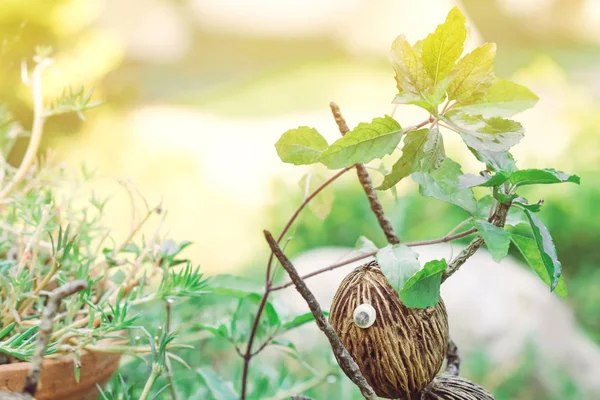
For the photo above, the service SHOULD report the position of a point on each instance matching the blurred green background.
(197, 92)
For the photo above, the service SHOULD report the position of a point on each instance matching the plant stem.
(37, 128)
(156, 371)
(45, 328)
(447, 238)
(169, 372)
(365, 181)
(344, 358)
(453, 360)
(297, 212)
(247, 356)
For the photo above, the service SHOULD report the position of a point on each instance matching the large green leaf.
(546, 247)
(442, 48)
(541, 177)
(491, 134)
(473, 75)
(422, 290)
(364, 143)
(398, 263)
(219, 389)
(502, 99)
(531, 253)
(321, 204)
(443, 184)
(302, 145)
(496, 239)
(413, 83)
(423, 151)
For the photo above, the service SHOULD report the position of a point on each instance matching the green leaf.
(398, 263)
(470, 180)
(364, 245)
(302, 145)
(300, 320)
(443, 184)
(503, 99)
(546, 248)
(364, 143)
(423, 288)
(531, 253)
(541, 177)
(493, 134)
(423, 151)
(473, 75)
(496, 239)
(219, 389)
(219, 331)
(321, 204)
(413, 83)
(243, 319)
(442, 48)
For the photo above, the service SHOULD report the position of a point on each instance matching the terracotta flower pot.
(57, 380)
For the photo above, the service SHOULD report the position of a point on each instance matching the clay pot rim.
(65, 358)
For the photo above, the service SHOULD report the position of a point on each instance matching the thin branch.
(299, 209)
(498, 219)
(37, 128)
(169, 372)
(453, 359)
(269, 280)
(365, 181)
(345, 359)
(447, 238)
(45, 327)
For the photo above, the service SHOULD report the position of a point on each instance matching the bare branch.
(447, 238)
(345, 359)
(365, 181)
(453, 359)
(46, 323)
